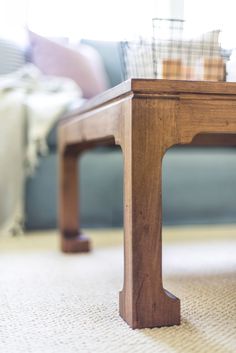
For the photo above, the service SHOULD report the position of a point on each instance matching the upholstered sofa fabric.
(197, 188)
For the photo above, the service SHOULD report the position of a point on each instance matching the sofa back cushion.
(84, 65)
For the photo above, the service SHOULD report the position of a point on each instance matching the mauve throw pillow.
(82, 65)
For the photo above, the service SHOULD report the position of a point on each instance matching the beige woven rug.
(50, 302)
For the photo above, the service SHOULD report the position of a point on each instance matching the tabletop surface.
(156, 86)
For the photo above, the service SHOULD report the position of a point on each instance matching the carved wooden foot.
(80, 243)
(143, 312)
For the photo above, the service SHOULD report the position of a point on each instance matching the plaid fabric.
(168, 55)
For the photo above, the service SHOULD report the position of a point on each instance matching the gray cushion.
(12, 57)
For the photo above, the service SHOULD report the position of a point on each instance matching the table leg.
(143, 301)
(71, 238)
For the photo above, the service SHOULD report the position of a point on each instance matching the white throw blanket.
(30, 103)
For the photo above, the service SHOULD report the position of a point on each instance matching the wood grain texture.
(144, 117)
(150, 86)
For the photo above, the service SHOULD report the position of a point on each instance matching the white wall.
(113, 19)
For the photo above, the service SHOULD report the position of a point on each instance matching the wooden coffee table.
(144, 117)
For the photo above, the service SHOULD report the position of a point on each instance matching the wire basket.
(170, 55)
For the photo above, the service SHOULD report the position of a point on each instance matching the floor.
(51, 302)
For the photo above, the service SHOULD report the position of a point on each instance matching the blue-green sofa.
(198, 183)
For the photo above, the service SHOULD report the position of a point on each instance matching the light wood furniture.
(144, 117)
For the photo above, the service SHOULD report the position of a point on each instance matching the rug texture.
(50, 302)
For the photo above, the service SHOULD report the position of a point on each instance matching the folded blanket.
(30, 104)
